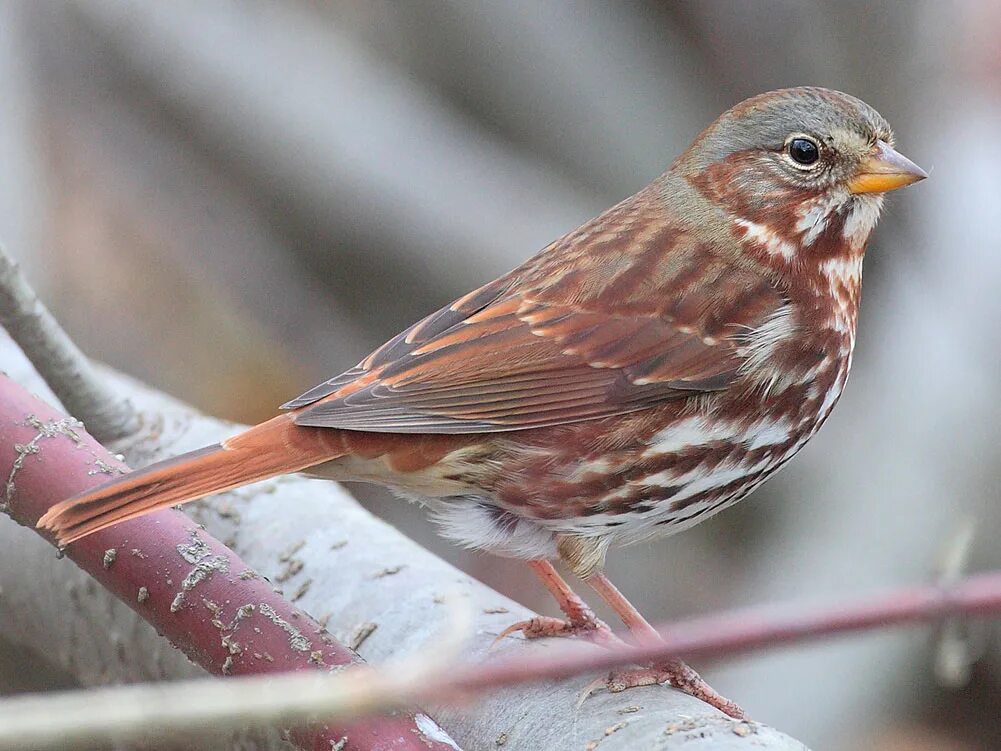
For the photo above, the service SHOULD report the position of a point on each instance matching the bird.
(633, 378)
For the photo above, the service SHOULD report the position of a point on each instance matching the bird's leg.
(638, 626)
(671, 670)
(580, 619)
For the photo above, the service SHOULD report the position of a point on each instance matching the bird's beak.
(885, 170)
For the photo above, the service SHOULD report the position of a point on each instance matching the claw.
(538, 627)
(589, 628)
(590, 689)
(674, 673)
(620, 680)
(581, 621)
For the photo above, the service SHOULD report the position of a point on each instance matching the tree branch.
(64, 367)
(196, 592)
(133, 710)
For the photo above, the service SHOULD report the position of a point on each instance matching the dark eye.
(803, 151)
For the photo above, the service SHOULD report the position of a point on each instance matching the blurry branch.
(211, 603)
(183, 198)
(560, 76)
(955, 652)
(352, 145)
(134, 711)
(64, 367)
(184, 709)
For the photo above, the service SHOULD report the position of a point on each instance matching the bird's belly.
(684, 470)
(677, 479)
(686, 473)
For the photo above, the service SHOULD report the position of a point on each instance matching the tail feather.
(273, 448)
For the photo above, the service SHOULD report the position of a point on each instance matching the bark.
(366, 581)
(197, 593)
(60, 362)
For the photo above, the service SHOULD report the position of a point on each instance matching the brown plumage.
(636, 376)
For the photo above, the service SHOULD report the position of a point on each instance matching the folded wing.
(520, 354)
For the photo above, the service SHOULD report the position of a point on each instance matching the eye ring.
(803, 151)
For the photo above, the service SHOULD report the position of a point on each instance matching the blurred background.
(233, 201)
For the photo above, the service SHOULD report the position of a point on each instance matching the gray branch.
(220, 64)
(105, 412)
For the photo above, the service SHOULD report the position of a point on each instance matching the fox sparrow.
(635, 377)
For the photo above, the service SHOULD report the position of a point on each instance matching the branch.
(196, 592)
(64, 367)
(132, 711)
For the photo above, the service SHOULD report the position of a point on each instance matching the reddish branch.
(743, 631)
(298, 696)
(191, 587)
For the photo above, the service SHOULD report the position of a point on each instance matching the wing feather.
(541, 347)
(491, 377)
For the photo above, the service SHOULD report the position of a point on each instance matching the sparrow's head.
(798, 169)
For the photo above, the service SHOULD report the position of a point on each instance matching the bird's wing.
(572, 337)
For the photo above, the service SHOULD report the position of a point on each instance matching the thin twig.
(131, 712)
(58, 360)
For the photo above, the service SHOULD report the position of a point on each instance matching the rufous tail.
(272, 448)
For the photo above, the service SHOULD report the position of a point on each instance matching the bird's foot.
(675, 673)
(583, 625)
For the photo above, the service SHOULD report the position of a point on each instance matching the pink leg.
(580, 619)
(672, 671)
